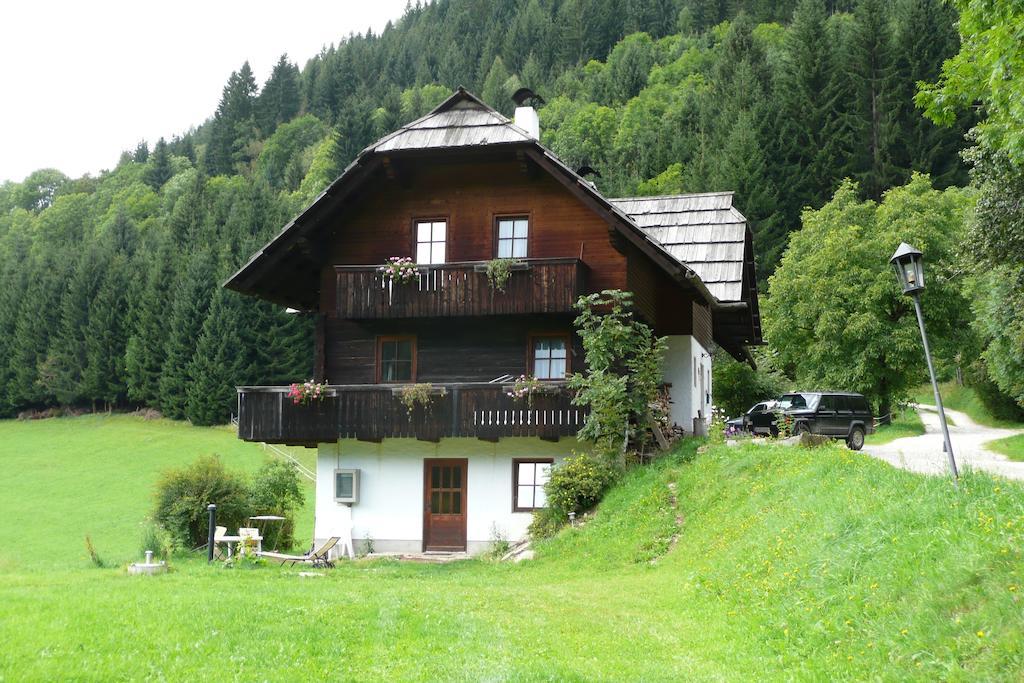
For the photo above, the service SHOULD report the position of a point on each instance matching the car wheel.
(856, 439)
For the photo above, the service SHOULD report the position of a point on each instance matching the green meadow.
(715, 563)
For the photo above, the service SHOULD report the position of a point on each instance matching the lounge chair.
(321, 557)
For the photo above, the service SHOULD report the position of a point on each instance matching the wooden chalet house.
(453, 190)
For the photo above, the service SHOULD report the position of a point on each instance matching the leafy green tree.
(836, 317)
(285, 148)
(39, 189)
(737, 386)
(987, 69)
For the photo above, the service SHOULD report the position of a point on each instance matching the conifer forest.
(110, 291)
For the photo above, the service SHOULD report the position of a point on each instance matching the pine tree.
(159, 171)
(802, 114)
(743, 168)
(843, 153)
(66, 360)
(144, 354)
(494, 92)
(278, 102)
(234, 125)
(925, 37)
(13, 283)
(190, 305)
(106, 335)
(37, 318)
(870, 70)
(219, 362)
(141, 153)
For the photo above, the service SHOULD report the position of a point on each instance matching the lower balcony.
(374, 412)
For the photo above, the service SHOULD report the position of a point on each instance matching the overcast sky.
(82, 81)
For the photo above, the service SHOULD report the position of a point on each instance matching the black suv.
(836, 414)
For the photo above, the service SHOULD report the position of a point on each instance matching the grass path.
(790, 564)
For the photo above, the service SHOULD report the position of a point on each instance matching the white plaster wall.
(390, 507)
(685, 362)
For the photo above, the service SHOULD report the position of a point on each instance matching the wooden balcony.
(460, 289)
(374, 412)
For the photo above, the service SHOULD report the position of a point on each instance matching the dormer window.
(430, 241)
(512, 236)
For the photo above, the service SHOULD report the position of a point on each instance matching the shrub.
(183, 494)
(159, 540)
(577, 484)
(999, 404)
(276, 491)
(736, 386)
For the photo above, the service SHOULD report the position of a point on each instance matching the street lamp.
(909, 266)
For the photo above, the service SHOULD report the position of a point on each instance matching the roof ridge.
(682, 195)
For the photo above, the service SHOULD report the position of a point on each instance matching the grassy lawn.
(790, 564)
(1012, 447)
(68, 477)
(904, 423)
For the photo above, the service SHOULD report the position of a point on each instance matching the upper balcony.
(549, 285)
(373, 412)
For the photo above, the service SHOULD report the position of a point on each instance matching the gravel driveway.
(924, 453)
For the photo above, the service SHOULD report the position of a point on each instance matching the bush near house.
(183, 494)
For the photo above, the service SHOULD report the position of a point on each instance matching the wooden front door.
(444, 504)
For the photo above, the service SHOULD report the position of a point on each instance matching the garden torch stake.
(212, 509)
(935, 388)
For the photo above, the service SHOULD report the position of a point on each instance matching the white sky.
(82, 81)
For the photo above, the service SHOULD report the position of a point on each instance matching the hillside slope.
(789, 563)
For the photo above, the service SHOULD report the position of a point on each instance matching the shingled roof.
(459, 121)
(704, 231)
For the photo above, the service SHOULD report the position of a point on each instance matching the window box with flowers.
(527, 387)
(399, 269)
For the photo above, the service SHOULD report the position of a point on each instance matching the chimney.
(526, 116)
(527, 119)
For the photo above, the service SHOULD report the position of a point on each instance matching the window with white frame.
(431, 237)
(513, 235)
(528, 479)
(550, 357)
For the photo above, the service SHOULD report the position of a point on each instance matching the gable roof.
(698, 240)
(704, 231)
(460, 121)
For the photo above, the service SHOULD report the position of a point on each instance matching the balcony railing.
(460, 289)
(375, 412)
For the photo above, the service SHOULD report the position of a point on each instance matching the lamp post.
(909, 266)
